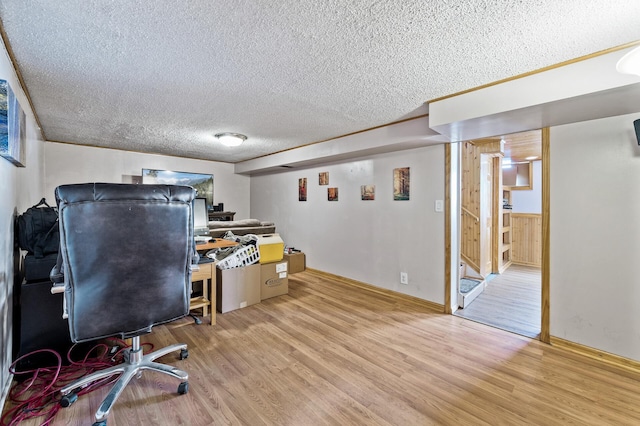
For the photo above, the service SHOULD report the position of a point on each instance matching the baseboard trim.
(597, 354)
(411, 299)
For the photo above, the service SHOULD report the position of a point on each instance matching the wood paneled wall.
(470, 241)
(473, 240)
(526, 239)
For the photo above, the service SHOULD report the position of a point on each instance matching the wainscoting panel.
(526, 243)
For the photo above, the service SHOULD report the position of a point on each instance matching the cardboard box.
(297, 262)
(271, 248)
(274, 280)
(237, 287)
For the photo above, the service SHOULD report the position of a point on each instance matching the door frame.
(545, 302)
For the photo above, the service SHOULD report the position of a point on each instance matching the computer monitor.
(200, 217)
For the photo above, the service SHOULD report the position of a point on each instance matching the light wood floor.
(510, 302)
(332, 354)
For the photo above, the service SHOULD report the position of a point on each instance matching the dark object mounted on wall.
(636, 125)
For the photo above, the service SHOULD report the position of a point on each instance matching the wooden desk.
(207, 274)
(218, 243)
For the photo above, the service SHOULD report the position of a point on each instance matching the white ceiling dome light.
(630, 63)
(231, 139)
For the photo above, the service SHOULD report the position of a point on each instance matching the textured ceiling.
(164, 76)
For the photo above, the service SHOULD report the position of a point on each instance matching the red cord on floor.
(37, 393)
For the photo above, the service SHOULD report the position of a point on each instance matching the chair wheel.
(184, 354)
(69, 399)
(183, 388)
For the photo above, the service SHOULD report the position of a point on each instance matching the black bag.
(37, 230)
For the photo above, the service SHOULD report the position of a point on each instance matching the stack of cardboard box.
(248, 285)
(296, 260)
(274, 279)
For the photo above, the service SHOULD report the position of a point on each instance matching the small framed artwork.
(302, 189)
(332, 194)
(368, 192)
(12, 126)
(401, 184)
(323, 178)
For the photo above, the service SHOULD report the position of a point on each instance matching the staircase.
(471, 285)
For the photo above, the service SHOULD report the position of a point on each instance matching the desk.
(218, 243)
(206, 273)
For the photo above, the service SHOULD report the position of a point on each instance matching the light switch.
(439, 206)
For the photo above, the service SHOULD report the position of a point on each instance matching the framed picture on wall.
(202, 183)
(368, 192)
(12, 126)
(323, 178)
(332, 194)
(302, 189)
(401, 184)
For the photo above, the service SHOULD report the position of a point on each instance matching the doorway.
(507, 241)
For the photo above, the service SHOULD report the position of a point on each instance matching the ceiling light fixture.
(231, 139)
(630, 63)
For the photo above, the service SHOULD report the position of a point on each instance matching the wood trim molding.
(496, 213)
(344, 136)
(23, 86)
(538, 71)
(526, 214)
(597, 354)
(348, 281)
(545, 326)
(447, 229)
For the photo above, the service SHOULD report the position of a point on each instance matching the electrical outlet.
(404, 278)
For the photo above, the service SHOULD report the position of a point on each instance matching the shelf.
(205, 273)
(505, 229)
(199, 302)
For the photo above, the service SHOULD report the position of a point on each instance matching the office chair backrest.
(126, 253)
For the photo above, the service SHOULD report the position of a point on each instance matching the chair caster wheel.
(69, 399)
(184, 354)
(183, 388)
(102, 423)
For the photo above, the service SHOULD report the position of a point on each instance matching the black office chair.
(125, 262)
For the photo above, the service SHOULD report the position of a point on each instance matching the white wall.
(65, 163)
(19, 189)
(368, 241)
(595, 235)
(529, 201)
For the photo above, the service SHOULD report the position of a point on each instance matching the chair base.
(135, 362)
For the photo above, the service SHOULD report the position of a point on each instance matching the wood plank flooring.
(332, 354)
(510, 302)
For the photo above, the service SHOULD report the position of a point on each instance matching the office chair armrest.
(56, 277)
(57, 288)
(57, 272)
